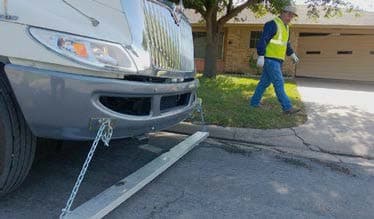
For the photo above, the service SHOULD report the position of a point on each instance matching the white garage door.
(349, 57)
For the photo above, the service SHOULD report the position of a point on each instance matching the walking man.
(271, 49)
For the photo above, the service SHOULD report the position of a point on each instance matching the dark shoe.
(258, 106)
(292, 111)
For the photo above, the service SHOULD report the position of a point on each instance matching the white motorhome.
(66, 63)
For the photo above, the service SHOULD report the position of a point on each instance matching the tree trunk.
(211, 50)
(210, 68)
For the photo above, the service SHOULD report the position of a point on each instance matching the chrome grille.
(171, 45)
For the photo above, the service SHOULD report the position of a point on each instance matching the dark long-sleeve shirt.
(270, 29)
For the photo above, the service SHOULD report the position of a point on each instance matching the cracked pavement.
(218, 179)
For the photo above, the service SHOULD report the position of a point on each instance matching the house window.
(199, 41)
(254, 38)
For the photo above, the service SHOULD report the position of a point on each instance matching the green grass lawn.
(226, 103)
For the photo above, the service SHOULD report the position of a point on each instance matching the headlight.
(97, 53)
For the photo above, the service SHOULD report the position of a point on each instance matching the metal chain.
(104, 134)
(200, 110)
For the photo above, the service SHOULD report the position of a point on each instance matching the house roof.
(248, 17)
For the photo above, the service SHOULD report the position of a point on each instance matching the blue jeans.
(271, 74)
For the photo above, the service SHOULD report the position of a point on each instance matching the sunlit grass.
(226, 103)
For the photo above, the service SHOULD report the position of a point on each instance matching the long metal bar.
(111, 198)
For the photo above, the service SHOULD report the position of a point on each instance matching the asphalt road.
(215, 180)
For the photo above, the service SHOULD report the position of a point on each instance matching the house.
(337, 48)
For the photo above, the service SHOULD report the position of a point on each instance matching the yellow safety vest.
(277, 46)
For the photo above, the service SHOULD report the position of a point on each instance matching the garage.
(336, 55)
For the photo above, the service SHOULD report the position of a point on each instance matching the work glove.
(260, 61)
(294, 57)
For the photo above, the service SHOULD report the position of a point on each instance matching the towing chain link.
(200, 110)
(104, 134)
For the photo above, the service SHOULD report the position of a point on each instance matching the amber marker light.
(80, 50)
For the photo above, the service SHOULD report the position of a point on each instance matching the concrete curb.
(255, 136)
(279, 140)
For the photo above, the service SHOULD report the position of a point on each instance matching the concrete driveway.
(340, 116)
